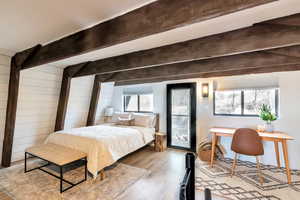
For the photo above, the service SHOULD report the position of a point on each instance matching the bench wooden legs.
(60, 177)
(102, 174)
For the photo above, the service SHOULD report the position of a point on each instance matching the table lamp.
(108, 113)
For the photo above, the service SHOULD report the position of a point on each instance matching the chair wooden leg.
(234, 164)
(259, 171)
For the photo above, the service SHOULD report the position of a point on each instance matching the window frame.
(243, 105)
(138, 104)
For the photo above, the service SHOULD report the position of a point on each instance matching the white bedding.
(104, 144)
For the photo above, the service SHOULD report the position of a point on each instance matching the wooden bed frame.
(157, 122)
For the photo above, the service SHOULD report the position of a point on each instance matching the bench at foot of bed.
(60, 156)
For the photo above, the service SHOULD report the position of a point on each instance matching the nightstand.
(160, 141)
(107, 119)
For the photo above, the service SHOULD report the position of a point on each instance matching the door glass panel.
(180, 118)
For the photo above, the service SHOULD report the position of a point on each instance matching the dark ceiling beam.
(94, 103)
(261, 36)
(292, 20)
(255, 70)
(64, 96)
(12, 101)
(155, 80)
(22, 58)
(293, 51)
(11, 112)
(221, 64)
(156, 17)
(63, 101)
(259, 70)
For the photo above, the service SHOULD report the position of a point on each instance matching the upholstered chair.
(247, 142)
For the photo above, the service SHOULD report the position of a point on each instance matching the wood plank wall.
(4, 78)
(79, 101)
(37, 106)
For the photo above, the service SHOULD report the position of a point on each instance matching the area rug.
(245, 183)
(37, 185)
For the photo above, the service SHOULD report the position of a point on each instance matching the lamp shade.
(205, 90)
(109, 111)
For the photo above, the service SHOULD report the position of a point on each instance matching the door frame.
(193, 106)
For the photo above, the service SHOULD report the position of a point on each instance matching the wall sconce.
(205, 90)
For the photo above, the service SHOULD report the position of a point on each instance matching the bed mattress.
(104, 144)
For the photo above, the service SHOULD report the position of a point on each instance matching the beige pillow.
(125, 122)
(144, 120)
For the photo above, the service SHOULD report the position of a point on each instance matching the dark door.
(181, 116)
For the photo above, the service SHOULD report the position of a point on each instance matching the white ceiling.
(26, 23)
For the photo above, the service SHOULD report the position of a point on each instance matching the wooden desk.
(275, 137)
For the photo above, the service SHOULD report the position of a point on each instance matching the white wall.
(289, 109)
(79, 101)
(37, 105)
(106, 95)
(4, 79)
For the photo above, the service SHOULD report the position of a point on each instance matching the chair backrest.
(247, 141)
(187, 186)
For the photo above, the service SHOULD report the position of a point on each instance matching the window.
(244, 102)
(131, 103)
(138, 103)
(228, 102)
(253, 99)
(146, 103)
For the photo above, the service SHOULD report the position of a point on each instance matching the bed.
(106, 143)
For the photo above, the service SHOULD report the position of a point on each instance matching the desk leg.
(277, 154)
(286, 160)
(213, 148)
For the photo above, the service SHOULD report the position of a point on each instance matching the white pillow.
(116, 116)
(153, 121)
(125, 122)
(144, 120)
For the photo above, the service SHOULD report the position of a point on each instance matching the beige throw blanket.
(104, 144)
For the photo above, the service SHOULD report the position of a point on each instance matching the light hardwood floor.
(166, 170)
